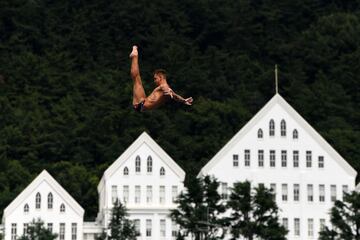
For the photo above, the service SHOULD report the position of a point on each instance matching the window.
(261, 158)
(126, 193)
(174, 191)
(272, 158)
(113, 193)
(162, 171)
(296, 159)
(37, 201)
(310, 191)
(333, 193)
(62, 231)
(174, 230)
(149, 164)
(284, 192)
(285, 223)
(272, 128)
(148, 227)
(247, 157)
(297, 226)
(149, 194)
(260, 133)
(283, 128)
(296, 192)
(310, 227)
(137, 164)
(73, 231)
(295, 134)
(345, 189)
(137, 194)
(224, 190)
(321, 161)
(137, 226)
(321, 193)
(283, 158)
(308, 159)
(162, 228)
(322, 224)
(50, 227)
(13, 231)
(26, 208)
(25, 229)
(126, 171)
(62, 208)
(235, 160)
(50, 201)
(162, 195)
(273, 190)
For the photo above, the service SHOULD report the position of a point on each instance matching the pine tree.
(254, 214)
(37, 231)
(199, 210)
(345, 219)
(120, 227)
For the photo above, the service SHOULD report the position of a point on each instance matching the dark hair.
(160, 71)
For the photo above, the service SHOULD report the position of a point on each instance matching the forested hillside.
(66, 92)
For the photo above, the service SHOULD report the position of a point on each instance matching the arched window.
(149, 164)
(295, 134)
(162, 171)
(62, 207)
(26, 208)
(260, 133)
(38, 201)
(137, 164)
(50, 201)
(126, 171)
(283, 128)
(272, 128)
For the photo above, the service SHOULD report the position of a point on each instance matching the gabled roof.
(277, 99)
(44, 176)
(144, 138)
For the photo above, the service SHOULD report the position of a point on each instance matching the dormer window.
(272, 128)
(126, 171)
(62, 208)
(38, 201)
(295, 134)
(26, 208)
(260, 133)
(137, 164)
(283, 128)
(50, 201)
(162, 171)
(149, 164)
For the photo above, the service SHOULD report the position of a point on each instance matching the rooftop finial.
(276, 79)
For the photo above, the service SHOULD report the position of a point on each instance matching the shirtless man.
(160, 94)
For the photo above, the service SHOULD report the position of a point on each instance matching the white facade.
(44, 199)
(147, 180)
(277, 148)
(306, 173)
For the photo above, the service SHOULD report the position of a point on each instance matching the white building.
(147, 180)
(44, 199)
(279, 149)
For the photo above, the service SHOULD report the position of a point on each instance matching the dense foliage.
(37, 231)
(65, 90)
(344, 218)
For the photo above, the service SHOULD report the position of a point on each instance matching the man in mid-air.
(160, 94)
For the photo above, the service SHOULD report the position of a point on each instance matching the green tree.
(199, 210)
(254, 214)
(37, 231)
(120, 227)
(344, 218)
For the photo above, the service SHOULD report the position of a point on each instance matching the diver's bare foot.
(134, 52)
